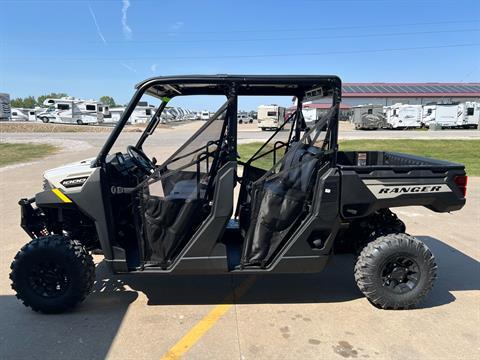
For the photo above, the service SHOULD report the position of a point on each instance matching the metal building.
(409, 93)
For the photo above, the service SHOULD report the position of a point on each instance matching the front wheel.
(395, 271)
(52, 274)
(45, 119)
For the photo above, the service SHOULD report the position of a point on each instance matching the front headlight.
(46, 185)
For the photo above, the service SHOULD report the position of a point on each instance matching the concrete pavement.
(320, 316)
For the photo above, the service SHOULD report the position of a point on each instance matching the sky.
(93, 48)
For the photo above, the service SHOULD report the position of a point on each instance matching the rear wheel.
(52, 274)
(79, 122)
(45, 119)
(395, 271)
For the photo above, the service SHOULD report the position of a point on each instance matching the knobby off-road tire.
(52, 274)
(395, 271)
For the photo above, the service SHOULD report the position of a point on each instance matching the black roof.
(171, 86)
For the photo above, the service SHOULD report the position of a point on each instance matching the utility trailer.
(368, 117)
(301, 200)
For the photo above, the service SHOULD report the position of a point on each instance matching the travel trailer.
(270, 117)
(32, 113)
(71, 110)
(19, 114)
(142, 113)
(311, 115)
(403, 116)
(468, 114)
(5, 111)
(446, 115)
(368, 117)
(428, 114)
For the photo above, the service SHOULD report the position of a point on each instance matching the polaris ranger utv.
(311, 202)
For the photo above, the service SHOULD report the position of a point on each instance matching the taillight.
(461, 182)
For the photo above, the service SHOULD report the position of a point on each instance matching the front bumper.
(33, 220)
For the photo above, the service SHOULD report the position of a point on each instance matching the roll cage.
(303, 87)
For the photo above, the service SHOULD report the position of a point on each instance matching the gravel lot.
(279, 317)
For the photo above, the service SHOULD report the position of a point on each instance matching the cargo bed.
(371, 180)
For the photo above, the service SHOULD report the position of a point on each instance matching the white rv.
(205, 115)
(311, 115)
(446, 115)
(403, 116)
(32, 113)
(140, 115)
(428, 114)
(71, 110)
(270, 117)
(368, 117)
(5, 111)
(19, 114)
(468, 114)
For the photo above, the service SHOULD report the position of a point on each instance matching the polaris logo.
(385, 191)
(69, 183)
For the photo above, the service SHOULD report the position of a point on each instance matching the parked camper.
(403, 116)
(446, 115)
(5, 111)
(32, 113)
(205, 115)
(19, 114)
(71, 110)
(270, 117)
(428, 114)
(468, 114)
(311, 115)
(368, 117)
(142, 113)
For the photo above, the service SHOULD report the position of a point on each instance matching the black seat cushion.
(170, 221)
(278, 203)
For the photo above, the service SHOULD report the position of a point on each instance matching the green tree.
(108, 100)
(16, 103)
(29, 102)
(42, 98)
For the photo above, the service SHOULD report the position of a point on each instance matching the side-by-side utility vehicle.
(288, 208)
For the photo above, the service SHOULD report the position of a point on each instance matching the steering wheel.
(140, 159)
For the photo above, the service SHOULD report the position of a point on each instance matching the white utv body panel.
(70, 177)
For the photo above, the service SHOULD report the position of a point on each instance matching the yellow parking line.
(196, 333)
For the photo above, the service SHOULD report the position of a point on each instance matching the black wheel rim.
(48, 279)
(400, 274)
